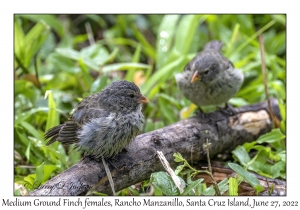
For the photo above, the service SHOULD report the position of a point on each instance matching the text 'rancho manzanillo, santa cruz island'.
(111, 202)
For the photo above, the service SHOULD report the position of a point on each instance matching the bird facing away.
(209, 78)
(103, 123)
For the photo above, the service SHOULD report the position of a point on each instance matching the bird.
(103, 123)
(210, 78)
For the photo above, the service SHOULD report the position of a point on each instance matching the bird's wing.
(86, 114)
(66, 133)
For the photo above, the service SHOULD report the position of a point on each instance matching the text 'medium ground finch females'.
(103, 123)
(209, 78)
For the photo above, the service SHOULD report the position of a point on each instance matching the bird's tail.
(53, 133)
(214, 45)
(64, 133)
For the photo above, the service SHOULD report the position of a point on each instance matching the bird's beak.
(195, 77)
(143, 100)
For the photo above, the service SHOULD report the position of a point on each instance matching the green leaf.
(192, 186)
(19, 41)
(134, 192)
(157, 192)
(63, 63)
(165, 35)
(30, 181)
(17, 192)
(167, 110)
(124, 66)
(53, 116)
(249, 145)
(149, 49)
(267, 153)
(27, 153)
(278, 168)
(233, 186)
(201, 189)
(89, 63)
(19, 86)
(135, 59)
(238, 102)
(223, 186)
(32, 130)
(254, 36)
(87, 78)
(111, 56)
(48, 170)
(51, 20)
(250, 178)
(209, 191)
(179, 169)
(282, 107)
(267, 164)
(158, 125)
(271, 137)
(242, 155)
(36, 155)
(98, 19)
(99, 83)
(33, 41)
(68, 53)
(170, 99)
(164, 183)
(279, 86)
(80, 38)
(232, 39)
(282, 155)
(159, 76)
(280, 18)
(186, 31)
(178, 157)
(96, 52)
(149, 125)
(39, 174)
(97, 193)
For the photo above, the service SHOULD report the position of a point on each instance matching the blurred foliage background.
(60, 59)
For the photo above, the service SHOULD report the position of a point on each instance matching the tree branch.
(188, 137)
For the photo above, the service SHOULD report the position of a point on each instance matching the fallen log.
(188, 137)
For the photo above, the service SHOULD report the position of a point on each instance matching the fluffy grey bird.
(209, 78)
(103, 123)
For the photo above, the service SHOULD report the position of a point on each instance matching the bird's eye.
(131, 95)
(206, 72)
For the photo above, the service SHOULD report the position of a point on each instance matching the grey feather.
(219, 82)
(103, 123)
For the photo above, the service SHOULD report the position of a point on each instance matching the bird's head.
(204, 68)
(123, 96)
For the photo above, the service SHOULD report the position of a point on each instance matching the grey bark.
(187, 137)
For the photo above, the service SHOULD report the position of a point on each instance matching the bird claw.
(228, 109)
(115, 159)
(207, 119)
(108, 160)
(199, 111)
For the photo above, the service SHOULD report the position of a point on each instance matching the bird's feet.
(228, 109)
(199, 112)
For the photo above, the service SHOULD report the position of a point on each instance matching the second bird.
(209, 78)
